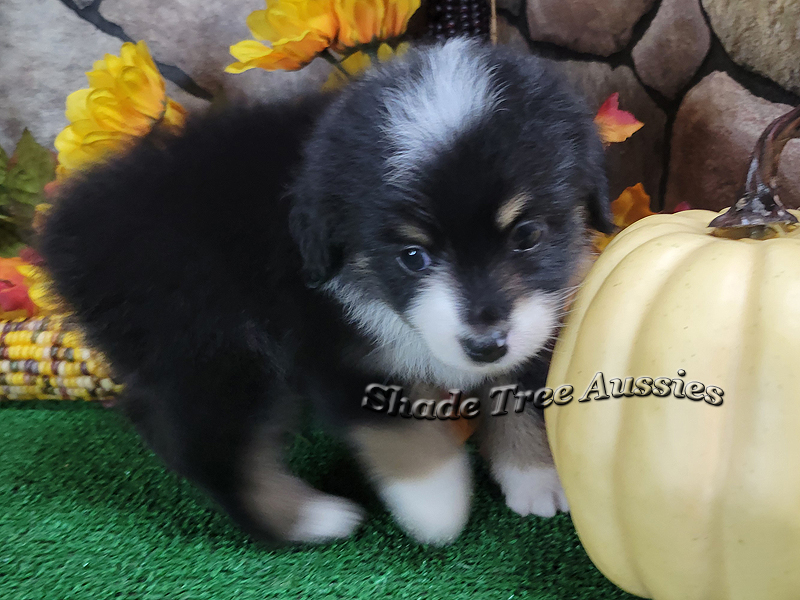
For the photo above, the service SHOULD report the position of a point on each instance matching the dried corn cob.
(451, 18)
(45, 358)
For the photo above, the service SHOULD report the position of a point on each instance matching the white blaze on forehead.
(453, 91)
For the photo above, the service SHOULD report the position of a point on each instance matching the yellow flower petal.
(363, 21)
(296, 30)
(402, 48)
(353, 64)
(125, 99)
(385, 52)
(76, 105)
(174, 115)
(260, 27)
(288, 57)
(360, 21)
(249, 50)
(42, 296)
(356, 63)
(360, 61)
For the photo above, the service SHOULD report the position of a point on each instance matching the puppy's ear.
(597, 201)
(599, 208)
(312, 230)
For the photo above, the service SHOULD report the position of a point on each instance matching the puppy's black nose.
(486, 348)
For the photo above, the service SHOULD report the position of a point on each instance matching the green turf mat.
(87, 513)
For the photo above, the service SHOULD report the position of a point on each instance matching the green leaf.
(33, 166)
(12, 249)
(31, 199)
(3, 165)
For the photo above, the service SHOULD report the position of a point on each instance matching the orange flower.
(125, 98)
(615, 125)
(633, 204)
(364, 21)
(14, 299)
(297, 31)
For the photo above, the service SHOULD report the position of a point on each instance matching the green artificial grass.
(87, 513)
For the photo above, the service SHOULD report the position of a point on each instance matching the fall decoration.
(615, 125)
(37, 280)
(685, 482)
(363, 22)
(452, 18)
(125, 99)
(15, 302)
(298, 31)
(359, 62)
(633, 204)
(23, 177)
(46, 359)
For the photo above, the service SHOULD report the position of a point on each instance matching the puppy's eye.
(526, 236)
(414, 258)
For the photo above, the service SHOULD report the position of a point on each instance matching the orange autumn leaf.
(615, 125)
(633, 204)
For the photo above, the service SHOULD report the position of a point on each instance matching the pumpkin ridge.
(731, 436)
(685, 253)
(707, 520)
(629, 416)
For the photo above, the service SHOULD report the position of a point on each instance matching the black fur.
(192, 260)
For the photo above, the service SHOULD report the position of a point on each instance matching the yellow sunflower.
(365, 21)
(296, 30)
(125, 98)
(289, 34)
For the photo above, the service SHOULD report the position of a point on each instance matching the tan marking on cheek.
(514, 286)
(360, 263)
(580, 215)
(510, 210)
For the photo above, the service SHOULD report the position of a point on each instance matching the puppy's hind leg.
(422, 473)
(221, 422)
(285, 504)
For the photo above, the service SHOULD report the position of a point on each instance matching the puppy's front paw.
(324, 518)
(433, 508)
(532, 491)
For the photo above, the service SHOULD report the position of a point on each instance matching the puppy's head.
(443, 200)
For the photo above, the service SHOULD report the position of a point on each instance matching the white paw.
(324, 518)
(532, 491)
(433, 509)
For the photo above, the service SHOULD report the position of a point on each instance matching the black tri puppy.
(420, 227)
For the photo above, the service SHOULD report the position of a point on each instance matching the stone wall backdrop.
(705, 76)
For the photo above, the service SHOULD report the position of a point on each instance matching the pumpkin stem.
(759, 212)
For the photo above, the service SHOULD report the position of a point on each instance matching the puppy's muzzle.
(486, 348)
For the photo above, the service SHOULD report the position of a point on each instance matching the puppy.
(421, 227)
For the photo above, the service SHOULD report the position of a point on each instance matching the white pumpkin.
(675, 498)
